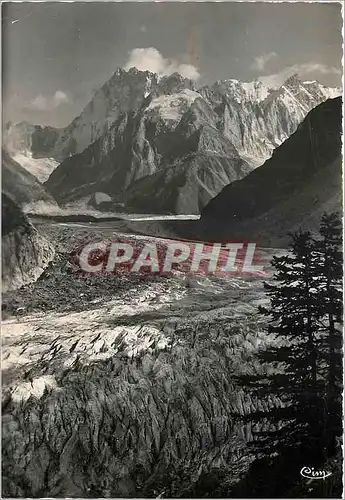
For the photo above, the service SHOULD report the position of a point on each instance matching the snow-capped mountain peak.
(138, 123)
(126, 91)
(255, 91)
(258, 116)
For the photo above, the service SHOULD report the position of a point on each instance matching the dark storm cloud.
(56, 55)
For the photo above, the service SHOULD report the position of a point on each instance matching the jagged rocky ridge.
(24, 252)
(21, 186)
(257, 118)
(28, 138)
(178, 148)
(172, 144)
(291, 190)
(139, 124)
(124, 92)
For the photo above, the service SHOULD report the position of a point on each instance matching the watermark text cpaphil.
(163, 257)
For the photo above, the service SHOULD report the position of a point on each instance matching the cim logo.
(311, 473)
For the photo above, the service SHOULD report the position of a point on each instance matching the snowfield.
(172, 107)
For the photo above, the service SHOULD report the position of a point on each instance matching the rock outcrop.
(25, 253)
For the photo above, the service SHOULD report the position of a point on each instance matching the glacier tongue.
(41, 168)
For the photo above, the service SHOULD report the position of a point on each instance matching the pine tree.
(294, 321)
(305, 314)
(330, 273)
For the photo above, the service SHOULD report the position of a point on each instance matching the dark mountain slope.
(172, 132)
(292, 188)
(185, 188)
(20, 185)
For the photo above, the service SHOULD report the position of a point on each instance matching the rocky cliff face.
(258, 118)
(161, 145)
(25, 253)
(30, 146)
(291, 190)
(25, 138)
(21, 186)
(123, 93)
(150, 142)
(44, 141)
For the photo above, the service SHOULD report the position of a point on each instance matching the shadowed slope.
(302, 179)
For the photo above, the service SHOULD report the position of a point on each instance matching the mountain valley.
(142, 134)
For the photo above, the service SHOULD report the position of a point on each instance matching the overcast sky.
(56, 55)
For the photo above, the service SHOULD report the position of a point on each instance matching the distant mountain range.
(158, 144)
(291, 190)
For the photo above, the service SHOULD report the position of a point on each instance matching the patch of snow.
(172, 107)
(42, 208)
(101, 197)
(331, 92)
(35, 388)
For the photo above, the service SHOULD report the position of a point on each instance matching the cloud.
(304, 70)
(60, 98)
(40, 102)
(316, 68)
(146, 59)
(187, 70)
(260, 62)
(47, 103)
(150, 59)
